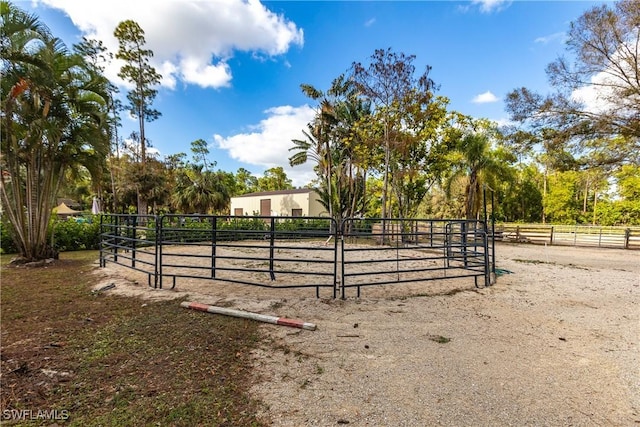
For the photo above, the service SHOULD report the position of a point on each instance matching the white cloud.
(203, 75)
(133, 147)
(191, 39)
(268, 144)
(485, 98)
(370, 22)
(504, 121)
(597, 96)
(604, 91)
(551, 38)
(488, 6)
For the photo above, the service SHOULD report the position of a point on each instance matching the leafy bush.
(71, 235)
(68, 235)
(6, 242)
(298, 224)
(249, 228)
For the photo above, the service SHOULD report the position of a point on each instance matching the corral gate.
(300, 252)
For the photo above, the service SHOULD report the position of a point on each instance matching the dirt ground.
(556, 341)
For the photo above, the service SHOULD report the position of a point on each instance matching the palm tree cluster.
(54, 118)
(380, 121)
(332, 143)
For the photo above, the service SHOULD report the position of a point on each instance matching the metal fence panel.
(296, 252)
(273, 252)
(130, 240)
(412, 250)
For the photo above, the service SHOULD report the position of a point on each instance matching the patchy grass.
(531, 261)
(448, 293)
(439, 339)
(100, 359)
(535, 261)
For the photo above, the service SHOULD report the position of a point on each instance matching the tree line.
(383, 142)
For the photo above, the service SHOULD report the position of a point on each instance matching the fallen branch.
(294, 323)
(104, 288)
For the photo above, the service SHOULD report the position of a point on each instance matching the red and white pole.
(294, 323)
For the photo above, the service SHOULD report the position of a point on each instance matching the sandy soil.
(556, 341)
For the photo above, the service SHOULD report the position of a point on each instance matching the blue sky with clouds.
(232, 69)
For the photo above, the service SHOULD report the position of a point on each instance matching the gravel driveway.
(554, 342)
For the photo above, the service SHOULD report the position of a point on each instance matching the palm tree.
(200, 192)
(333, 143)
(476, 164)
(309, 149)
(54, 118)
(355, 154)
(318, 146)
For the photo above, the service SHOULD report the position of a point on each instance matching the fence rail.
(409, 250)
(283, 252)
(570, 235)
(258, 251)
(130, 238)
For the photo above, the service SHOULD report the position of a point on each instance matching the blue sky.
(232, 70)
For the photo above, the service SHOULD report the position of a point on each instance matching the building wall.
(315, 207)
(282, 204)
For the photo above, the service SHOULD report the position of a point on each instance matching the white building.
(296, 202)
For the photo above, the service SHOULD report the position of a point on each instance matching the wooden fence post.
(600, 238)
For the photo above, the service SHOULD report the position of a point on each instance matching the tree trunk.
(113, 187)
(385, 189)
(329, 176)
(586, 195)
(142, 204)
(544, 197)
(472, 194)
(364, 192)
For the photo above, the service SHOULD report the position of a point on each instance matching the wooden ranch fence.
(570, 235)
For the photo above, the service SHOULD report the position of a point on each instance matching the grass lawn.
(75, 358)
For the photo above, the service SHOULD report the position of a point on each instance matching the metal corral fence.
(130, 240)
(258, 251)
(570, 235)
(288, 252)
(409, 250)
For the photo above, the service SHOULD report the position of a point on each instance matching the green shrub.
(7, 246)
(194, 228)
(249, 228)
(71, 235)
(68, 235)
